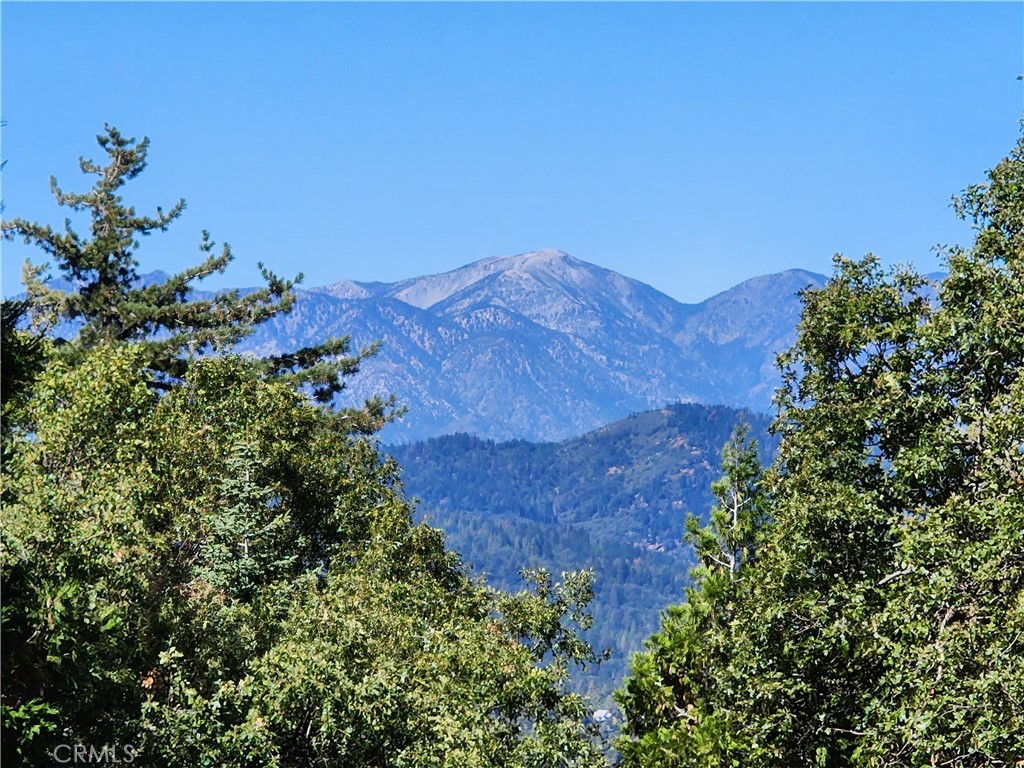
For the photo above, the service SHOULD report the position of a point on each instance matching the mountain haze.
(544, 346)
(613, 500)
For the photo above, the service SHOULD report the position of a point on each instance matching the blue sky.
(687, 145)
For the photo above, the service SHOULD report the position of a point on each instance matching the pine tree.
(107, 302)
(21, 354)
(676, 702)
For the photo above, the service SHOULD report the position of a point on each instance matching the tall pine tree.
(108, 303)
(674, 700)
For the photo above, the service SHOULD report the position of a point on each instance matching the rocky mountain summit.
(544, 346)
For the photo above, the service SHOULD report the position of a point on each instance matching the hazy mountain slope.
(561, 293)
(545, 346)
(542, 345)
(732, 339)
(614, 499)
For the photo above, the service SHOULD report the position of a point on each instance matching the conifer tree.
(107, 302)
(674, 700)
(217, 574)
(21, 354)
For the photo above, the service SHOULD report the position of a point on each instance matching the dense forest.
(205, 564)
(613, 501)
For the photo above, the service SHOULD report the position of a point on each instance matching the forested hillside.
(614, 500)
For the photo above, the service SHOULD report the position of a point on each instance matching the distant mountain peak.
(426, 291)
(550, 261)
(344, 289)
(543, 345)
(544, 256)
(538, 256)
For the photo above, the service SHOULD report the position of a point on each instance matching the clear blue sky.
(687, 145)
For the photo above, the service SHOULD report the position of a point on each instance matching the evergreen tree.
(21, 358)
(21, 354)
(224, 573)
(106, 301)
(673, 701)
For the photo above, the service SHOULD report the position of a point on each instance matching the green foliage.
(671, 699)
(203, 566)
(22, 356)
(609, 501)
(728, 541)
(219, 576)
(880, 623)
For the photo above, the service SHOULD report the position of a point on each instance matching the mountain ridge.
(614, 500)
(545, 346)
(541, 345)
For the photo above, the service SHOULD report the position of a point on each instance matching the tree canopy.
(215, 576)
(202, 565)
(881, 622)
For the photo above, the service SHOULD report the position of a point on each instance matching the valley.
(613, 500)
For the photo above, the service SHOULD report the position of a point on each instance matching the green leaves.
(219, 575)
(880, 622)
(674, 701)
(200, 562)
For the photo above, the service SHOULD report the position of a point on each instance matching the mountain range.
(545, 346)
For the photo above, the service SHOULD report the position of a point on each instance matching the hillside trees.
(884, 615)
(217, 570)
(672, 701)
(605, 500)
(216, 576)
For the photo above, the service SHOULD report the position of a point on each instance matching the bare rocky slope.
(544, 346)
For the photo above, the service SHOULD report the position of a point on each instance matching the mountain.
(614, 500)
(544, 346)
